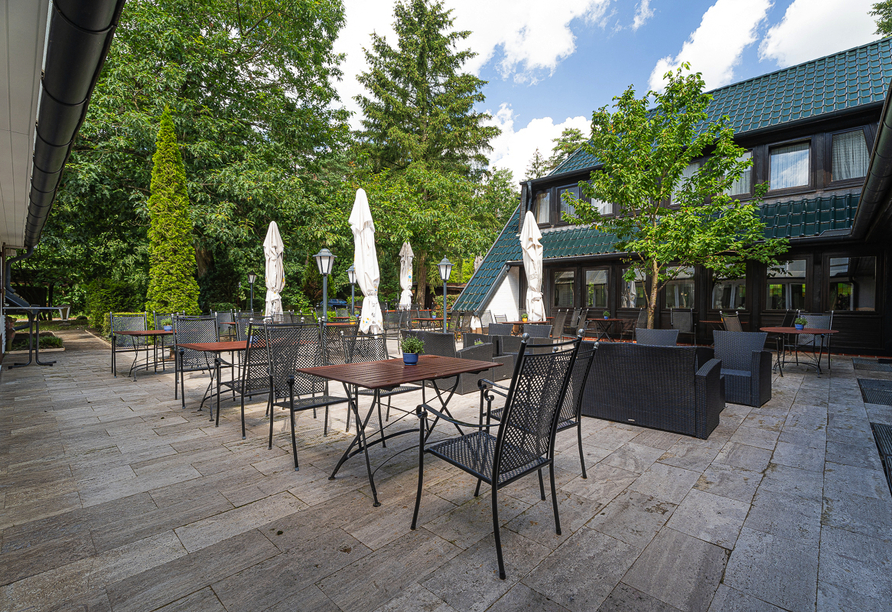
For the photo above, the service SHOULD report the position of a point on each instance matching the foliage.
(420, 105)
(412, 344)
(46, 342)
(800, 321)
(643, 155)
(105, 296)
(564, 146)
(172, 285)
(606, 314)
(883, 12)
(538, 167)
(438, 303)
(249, 85)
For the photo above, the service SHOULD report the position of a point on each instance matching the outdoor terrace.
(115, 498)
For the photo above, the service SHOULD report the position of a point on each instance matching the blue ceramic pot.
(799, 326)
(168, 328)
(410, 358)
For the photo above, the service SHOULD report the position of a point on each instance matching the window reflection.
(541, 207)
(680, 290)
(786, 285)
(633, 291)
(564, 288)
(596, 288)
(729, 289)
(853, 283)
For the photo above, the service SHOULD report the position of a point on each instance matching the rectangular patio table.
(216, 348)
(792, 331)
(385, 374)
(604, 326)
(145, 333)
(33, 313)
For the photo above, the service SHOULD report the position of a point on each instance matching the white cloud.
(814, 28)
(526, 36)
(643, 12)
(727, 28)
(514, 148)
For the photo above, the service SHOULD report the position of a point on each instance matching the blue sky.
(550, 63)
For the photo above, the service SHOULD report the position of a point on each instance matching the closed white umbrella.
(406, 257)
(530, 242)
(365, 262)
(274, 251)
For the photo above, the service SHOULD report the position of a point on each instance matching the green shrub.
(222, 306)
(20, 343)
(105, 295)
(412, 344)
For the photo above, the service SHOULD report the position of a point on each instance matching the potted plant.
(800, 322)
(523, 317)
(167, 324)
(606, 314)
(412, 346)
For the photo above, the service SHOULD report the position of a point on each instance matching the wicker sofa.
(673, 388)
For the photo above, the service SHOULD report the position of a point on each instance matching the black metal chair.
(224, 325)
(159, 320)
(731, 321)
(500, 318)
(125, 343)
(253, 378)
(371, 347)
(524, 443)
(656, 337)
(812, 342)
(557, 324)
(746, 366)
(682, 319)
(192, 330)
(289, 348)
(537, 330)
(486, 320)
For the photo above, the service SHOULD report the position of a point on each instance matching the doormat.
(883, 436)
(875, 391)
(872, 365)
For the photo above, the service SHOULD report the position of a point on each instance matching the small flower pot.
(606, 317)
(410, 358)
(168, 328)
(799, 326)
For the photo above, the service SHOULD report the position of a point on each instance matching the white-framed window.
(789, 166)
(542, 207)
(786, 285)
(596, 288)
(680, 290)
(686, 174)
(566, 207)
(850, 156)
(602, 207)
(744, 183)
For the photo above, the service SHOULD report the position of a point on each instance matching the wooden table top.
(215, 347)
(530, 322)
(602, 319)
(793, 330)
(145, 332)
(393, 372)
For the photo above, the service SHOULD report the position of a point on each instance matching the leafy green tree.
(883, 12)
(564, 146)
(644, 158)
(249, 84)
(172, 285)
(423, 138)
(537, 168)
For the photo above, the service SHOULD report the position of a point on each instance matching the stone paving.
(116, 498)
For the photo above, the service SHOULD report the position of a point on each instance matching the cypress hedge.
(172, 284)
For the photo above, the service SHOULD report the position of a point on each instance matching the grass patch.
(20, 342)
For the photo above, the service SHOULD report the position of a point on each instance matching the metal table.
(145, 333)
(389, 373)
(792, 331)
(604, 326)
(33, 331)
(216, 348)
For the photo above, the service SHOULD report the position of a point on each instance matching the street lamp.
(325, 262)
(251, 278)
(445, 270)
(351, 275)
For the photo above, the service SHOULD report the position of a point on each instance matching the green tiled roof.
(837, 82)
(804, 218)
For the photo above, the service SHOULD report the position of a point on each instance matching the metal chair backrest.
(367, 347)
(254, 366)
(572, 404)
(224, 318)
(335, 337)
(194, 330)
(392, 320)
(735, 349)
(815, 321)
(241, 326)
(682, 319)
(642, 319)
(127, 322)
(574, 318)
(289, 348)
(501, 318)
(342, 312)
(560, 317)
(537, 330)
(438, 343)
(500, 329)
(486, 319)
(656, 337)
(731, 321)
(535, 397)
(789, 317)
(160, 319)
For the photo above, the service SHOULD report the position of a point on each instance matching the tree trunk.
(654, 293)
(421, 276)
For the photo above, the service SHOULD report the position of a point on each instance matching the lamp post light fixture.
(445, 270)
(351, 275)
(251, 278)
(325, 262)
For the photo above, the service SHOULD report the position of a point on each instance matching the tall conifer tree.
(172, 284)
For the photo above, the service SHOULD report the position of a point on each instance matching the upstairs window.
(744, 183)
(686, 175)
(789, 166)
(850, 156)
(542, 208)
(604, 208)
(566, 207)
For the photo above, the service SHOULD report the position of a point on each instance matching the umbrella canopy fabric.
(365, 263)
(274, 251)
(406, 257)
(531, 243)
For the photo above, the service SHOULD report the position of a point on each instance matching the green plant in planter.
(412, 345)
(800, 321)
(478, 342)
(606, 314)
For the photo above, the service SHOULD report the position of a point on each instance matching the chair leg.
(380, 423)
(291, 415)
(541, 486)
(325, 425)
(421, 427)
(495, 529)
(243, 416)
(554, 503)
(579, 438)
(272, 414)
(477, 490)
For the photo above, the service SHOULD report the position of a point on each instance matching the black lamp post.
(351, 275)
(445, 270)
(325, 262)
(251, 278)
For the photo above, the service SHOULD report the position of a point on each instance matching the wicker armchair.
(673, 388)
(656, 337)
(524, 442)
(746, 366)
